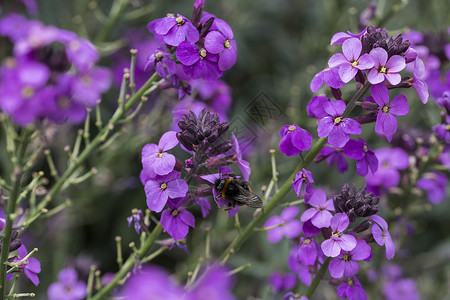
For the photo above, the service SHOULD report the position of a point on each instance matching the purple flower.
(173, 30)
(333, 155)
(435, 184)
(282, 282)
(81, 52)
(214, 284)
(14, 26)
(340, 37)
(294, 140)
(154, 158)
(290, 227)
(292, 296)
(381, 235)
(335, 127)
(31, 267)
(443, 130)
(338, 241)
(309, 230)
(243, 165)
(222, 42)
(328, 75)
(303, 176)
(345, 263)
(204, 204)
(88, 86)
(161, 188)
(401, 289)
(351, 289)
(315, 109)
(308, 251)
(384, 68)
(386, 120)
(68, 287)
(303, 272)
(162, 62)
(351, 60)
(176, 221)
(151, 281)
(198, 63)
(138, 218)
(364, 156)
(319, 213)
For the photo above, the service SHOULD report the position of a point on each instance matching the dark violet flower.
(308, 251)
(401, 289)
(381, 235)
(243, 165)
(351, 60)
(173, 30)
(345, 263)
(222, 42)
(332, 156)
(338, 241)
(162, 62)
(314, 109)
(214, 284)
(282, 282)
(31, 267)
(151, 281)
(387, 112)
(435, 184)
(443, 130)
(158, 190)
(303, 176)
(155, 159)
(294, 140)
(289, 226)
(303, 272)
(335, 127)
(176, 221)
(319, 213)
(352, 289)
(364, 156)
(67, 287)
(13, 26)
(340, 37)
(198, 63)
(309, 230)
(385, 68)
(328, 75)
(88, 86)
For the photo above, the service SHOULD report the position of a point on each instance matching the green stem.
(129, 263)
(11, 209)
(315, 282)
(116, 10)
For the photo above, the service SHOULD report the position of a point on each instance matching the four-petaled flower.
(352, 289)
(335, 127)
(154, 158)
(31, 267)
(303, 176)
(381, 235)
(308, 251)
(222, 42)
(159, 189)
(198, 63)
(345, 263)
(68, 287)
(288, 225)
(173, 30)
(339, 240)
(319, 213)
(386, 120)
(364, 156)
(384, 68)
(294, 140)
(351, 60)
(176, 220)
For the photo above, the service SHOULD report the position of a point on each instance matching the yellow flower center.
(74, 45)
(175, 213)
(350, 282)
(382, 70)
(202, 53)
(163, 186)
(63, 102)
(307, 242)
(337, 120)
(27, 92)
(160, 154)
(365, 148)
(337, 234)
(346, 257)
(385, 109)
(447, 127)
(86, 80)
(291, 128)
(355, 63)
(227, 44)
(179, 21)
(159, 55)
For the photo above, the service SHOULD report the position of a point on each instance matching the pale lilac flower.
(329, 76)
(338, 241)
(364, 156)
(352, 289)
(282, 282)
(214, 284)
(303, 176)
(243, 165)
(381, 235)
(176, 221)
(294, 140)
(88, 86)
(385, 68)
(351, 60)
(303, 272)
(158, 190)
(222, 42)
(335, 127)
(401, 289)
(290, 227)
(67, 287)
(435, 184)
(340, 37)
(319, 213)
(345, 263)
(155, 159)
(31, 267)
(173, 30)
(386, 119)
(81, 52)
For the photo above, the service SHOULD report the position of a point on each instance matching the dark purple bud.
(15, 245)
(366, 119)
(364, 225)
(203, 192)
(337, 94)
(197, 12)
(369, 106)
(220, 149)
(360, 77)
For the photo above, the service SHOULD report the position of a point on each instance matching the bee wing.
(248, 198)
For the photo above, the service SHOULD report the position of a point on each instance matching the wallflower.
(68, 287)
(31, 267)
(294, 140)
(352, 289)
(338, 241)
(345, 263)
(198, 63)
(222, 42)
(158, 190)
(303, 177)
(319, 213)
(381, 235)
(329, 76)
(384, 68)
(291, 227)
(364, 156)
(435, 184)
(176, 220)
(155, 159)
(173, 30)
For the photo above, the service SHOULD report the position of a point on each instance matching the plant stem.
(11, 209)
(315, 282)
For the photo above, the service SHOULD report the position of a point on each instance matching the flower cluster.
(50, 75)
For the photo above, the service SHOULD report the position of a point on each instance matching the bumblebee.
(237, 192)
